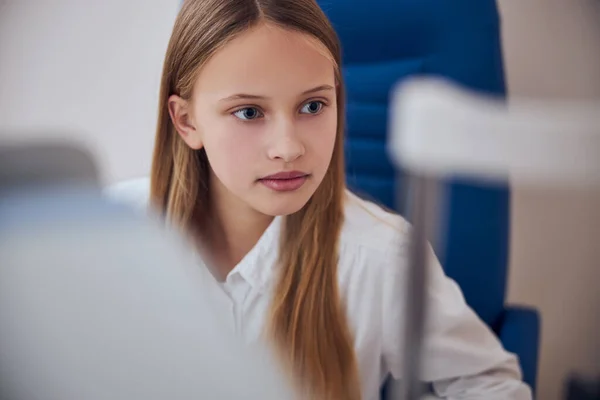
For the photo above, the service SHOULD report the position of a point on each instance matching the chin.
(283, 205)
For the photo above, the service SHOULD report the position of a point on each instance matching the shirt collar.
(258, 266)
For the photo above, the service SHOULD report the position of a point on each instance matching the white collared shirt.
(462, 358)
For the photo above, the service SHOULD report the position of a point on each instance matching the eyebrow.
(245, 96)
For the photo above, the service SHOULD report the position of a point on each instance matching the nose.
(286, 144)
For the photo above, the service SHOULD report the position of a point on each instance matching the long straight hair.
(307, 320)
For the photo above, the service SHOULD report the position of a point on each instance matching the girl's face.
(264, 109)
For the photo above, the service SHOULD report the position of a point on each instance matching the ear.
(180, 112)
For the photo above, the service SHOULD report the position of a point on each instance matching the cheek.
(322, 134)
(232, 150)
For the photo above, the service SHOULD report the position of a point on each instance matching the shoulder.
(132, 192)
(371, 228)
(372, 265)
(373, 245)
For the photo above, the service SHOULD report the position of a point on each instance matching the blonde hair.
(307, 321)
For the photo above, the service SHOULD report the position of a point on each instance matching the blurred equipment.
(50, 163)
(98, 302)
(459, 41)
(579, 388)
(440, 131)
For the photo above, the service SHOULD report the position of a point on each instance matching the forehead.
(267, 60)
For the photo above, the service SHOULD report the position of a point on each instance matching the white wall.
(92, 68)
(552, 50)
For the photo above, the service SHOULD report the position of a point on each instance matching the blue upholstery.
(385, 41)
(518, 331)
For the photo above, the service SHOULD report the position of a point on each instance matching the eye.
(248, 113)
(312, 107)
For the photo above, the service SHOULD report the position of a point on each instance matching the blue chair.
(386, 41)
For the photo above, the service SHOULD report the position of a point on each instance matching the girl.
(248, 160)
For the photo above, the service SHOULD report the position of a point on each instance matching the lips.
(286, 175)
(286, 181)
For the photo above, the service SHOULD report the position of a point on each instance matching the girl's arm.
(462, 357)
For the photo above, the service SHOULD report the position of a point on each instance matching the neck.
(231, 231)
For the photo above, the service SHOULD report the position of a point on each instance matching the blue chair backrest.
(385, 41)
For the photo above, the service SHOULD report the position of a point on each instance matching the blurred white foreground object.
(97, 303)
(440, 130)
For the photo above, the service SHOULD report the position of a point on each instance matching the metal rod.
(423, 191)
